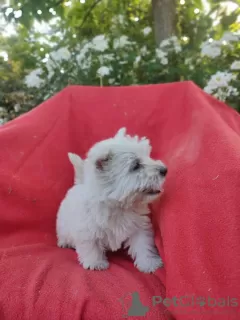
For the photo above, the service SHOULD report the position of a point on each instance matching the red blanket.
(197, 221)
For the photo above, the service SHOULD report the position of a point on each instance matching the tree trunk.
(164, 16)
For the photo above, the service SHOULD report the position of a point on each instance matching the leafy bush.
(108, 61)
(116, 52)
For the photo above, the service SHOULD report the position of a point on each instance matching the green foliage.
(54, 38)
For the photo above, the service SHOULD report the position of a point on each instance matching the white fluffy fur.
(108, 205)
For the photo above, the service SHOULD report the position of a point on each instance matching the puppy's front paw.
(62, 244)
(149, 264)
(96, 265)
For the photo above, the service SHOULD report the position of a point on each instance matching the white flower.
(221, 79)
(41, 27)
(208, 89)
(162, 56)
(144, 51)
(100, 43)
(160, 53)
(176, 44)
(2, 109)
(147, 30)
(235, 65)
(120, 18)
(85, 63)
(33, 79)
(121, 42)
(229, 36)
(111, 81)
(211, 50)
(2, 121)
(83, 50)
(177, 48)
(188, 61)
(108, 57)
(4, 55)
(164, 61)
(219, 85)
(174, 39)
(171, 43)
(165, 43)
(83, 59)
(221, 94)
(17, 107)
(61, 54)
(137, 60)
(231, 91)
(103, 71)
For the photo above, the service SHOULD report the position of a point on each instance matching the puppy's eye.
(136, 165)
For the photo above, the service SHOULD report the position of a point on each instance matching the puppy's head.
(121, 169)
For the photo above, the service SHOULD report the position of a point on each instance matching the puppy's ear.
(78, 164)
(103, 162)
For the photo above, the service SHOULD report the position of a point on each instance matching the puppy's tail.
(77, 163)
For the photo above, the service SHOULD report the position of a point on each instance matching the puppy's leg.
(63, 242)
(63, 245)
(91, 255)
(143, 251)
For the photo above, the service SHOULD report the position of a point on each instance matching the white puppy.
(108, 205)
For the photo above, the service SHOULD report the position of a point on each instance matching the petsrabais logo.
(132, 305)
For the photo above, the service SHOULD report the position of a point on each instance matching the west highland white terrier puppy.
(108, 205)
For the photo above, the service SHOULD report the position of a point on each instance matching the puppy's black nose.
(163, 171)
